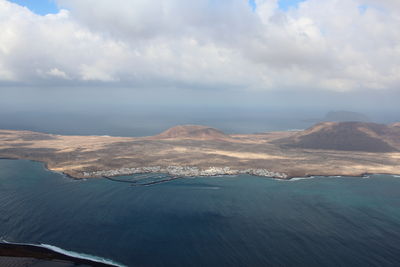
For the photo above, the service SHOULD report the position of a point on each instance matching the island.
(325, 149)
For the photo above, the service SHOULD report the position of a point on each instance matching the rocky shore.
(185, 171)
(12, 254)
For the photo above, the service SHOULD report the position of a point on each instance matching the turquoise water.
(218, 221)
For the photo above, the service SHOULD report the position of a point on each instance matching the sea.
(215, 221)
(146, 121)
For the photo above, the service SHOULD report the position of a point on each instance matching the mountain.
(348, 136)
(192, 132)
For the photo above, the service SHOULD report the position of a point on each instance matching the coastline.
(185, 171)
(284, 177)
(48, 254)
(110, 174)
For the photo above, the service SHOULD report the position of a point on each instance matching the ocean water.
(218, 221)
(145, 122)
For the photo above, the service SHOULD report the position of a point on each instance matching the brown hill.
(192, 132)
(348, 136)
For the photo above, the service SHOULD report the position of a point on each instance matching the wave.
(69, 253)
(396, 176)
(325, 177)
(301, 178)
(209, 187)
(294, 179)
(81, 255)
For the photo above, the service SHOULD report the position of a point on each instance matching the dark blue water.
(229, 221)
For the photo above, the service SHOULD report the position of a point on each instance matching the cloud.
(54, 72)
(337, 45)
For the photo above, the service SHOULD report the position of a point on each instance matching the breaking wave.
(73, 254)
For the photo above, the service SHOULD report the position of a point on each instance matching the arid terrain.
(328, 148)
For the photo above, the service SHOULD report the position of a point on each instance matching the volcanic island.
(326, 149)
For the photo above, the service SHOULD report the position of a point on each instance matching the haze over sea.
(151, 120)
(218, 221)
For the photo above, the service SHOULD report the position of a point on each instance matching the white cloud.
(54, 72)
(330, 44)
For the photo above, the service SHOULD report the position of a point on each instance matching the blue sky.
(283, 4)
(41, 7)
(44, 7)
(286, 4)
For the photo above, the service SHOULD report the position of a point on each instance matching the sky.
(330, 53)
(40, 7)
(44, 7)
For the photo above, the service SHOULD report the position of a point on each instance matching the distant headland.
(327, 148)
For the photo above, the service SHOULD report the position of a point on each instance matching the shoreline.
(185, 171)
(287, 178)
(175, 176)
(49, 254)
